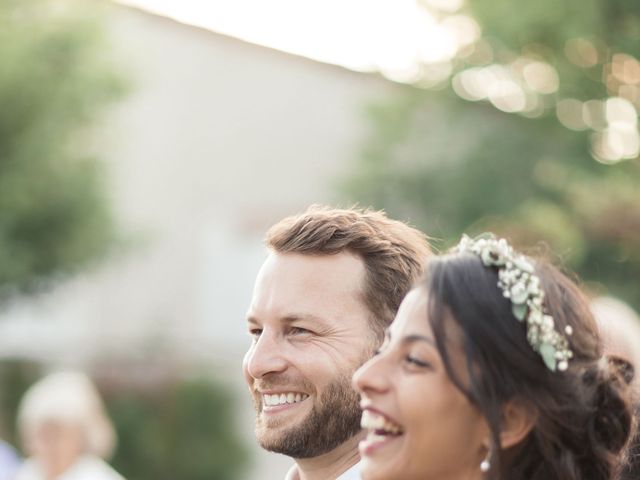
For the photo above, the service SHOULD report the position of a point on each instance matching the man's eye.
(299, 331)
(255, 332)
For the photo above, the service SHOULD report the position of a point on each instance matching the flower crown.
(519, 283)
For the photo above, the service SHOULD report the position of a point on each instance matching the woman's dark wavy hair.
(583, 416)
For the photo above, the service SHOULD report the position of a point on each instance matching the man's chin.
(314, 426)
(276, 439)
(305, 439)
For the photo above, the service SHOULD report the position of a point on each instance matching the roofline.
(226, 37)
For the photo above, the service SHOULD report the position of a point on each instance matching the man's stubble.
(334, 418)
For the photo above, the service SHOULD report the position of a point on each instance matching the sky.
(389, 36)
(409, 41)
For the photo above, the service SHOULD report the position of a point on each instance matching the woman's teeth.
(379, 424)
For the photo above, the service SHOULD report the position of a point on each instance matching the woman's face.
(420, 426)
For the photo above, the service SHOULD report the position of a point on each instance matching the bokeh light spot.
(541, 77)
(593, 114)
(569, 112)
(581, 52)
(621, 112)
(506, 95)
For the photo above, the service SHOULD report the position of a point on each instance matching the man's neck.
(332, 464)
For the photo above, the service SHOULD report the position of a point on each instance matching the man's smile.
(283, 398)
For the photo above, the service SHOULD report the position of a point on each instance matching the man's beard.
(333, 420)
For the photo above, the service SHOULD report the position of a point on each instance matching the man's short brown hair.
(393, 252)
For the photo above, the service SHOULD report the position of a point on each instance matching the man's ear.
(518, 418)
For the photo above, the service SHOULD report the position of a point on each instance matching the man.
(330, 286)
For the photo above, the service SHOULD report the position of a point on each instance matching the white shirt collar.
(352, 474)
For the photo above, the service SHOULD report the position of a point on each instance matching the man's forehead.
(321, 290)
(298, 278)
(299, 266)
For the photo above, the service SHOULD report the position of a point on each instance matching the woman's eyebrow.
(418, 338)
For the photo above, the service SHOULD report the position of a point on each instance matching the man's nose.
(265, 356)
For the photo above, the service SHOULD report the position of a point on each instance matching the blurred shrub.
(15, 377)
(167, 428)
(54, 81)
(183, 430)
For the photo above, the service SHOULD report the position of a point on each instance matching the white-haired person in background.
(65, 430)
(619, 327)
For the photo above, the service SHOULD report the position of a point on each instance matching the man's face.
(310, 331)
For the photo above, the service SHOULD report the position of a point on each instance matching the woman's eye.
(417, 362)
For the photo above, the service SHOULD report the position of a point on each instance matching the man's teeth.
(374, 422)
(283, 398)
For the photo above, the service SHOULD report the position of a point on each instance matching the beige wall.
(218, 139)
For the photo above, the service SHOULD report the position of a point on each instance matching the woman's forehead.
(412, 315)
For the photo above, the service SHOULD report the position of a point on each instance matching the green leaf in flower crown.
(519, 310)
(519, 296)
(484, 235)
(548, 353)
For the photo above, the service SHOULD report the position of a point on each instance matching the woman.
(65, 430)
(492, 369)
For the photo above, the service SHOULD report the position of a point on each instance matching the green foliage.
(546, 28)
(551, 23)
(54, 80)
(455, 167)
(167, 429)
(185, 431)
(15, 377)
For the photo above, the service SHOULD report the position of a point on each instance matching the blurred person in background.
(9, 461)
(331, 284)
(65, 430)
(619, 327)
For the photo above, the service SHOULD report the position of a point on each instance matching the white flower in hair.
(518, 282)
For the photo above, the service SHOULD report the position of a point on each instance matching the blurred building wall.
(218, 139)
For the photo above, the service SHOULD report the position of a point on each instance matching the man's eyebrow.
(303, 316)
(291, 318)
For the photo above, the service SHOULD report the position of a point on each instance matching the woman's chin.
(375, 469)
(380, 456)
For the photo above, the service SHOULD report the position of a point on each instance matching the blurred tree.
(15, 377)
(54, 80)
(506, 161)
